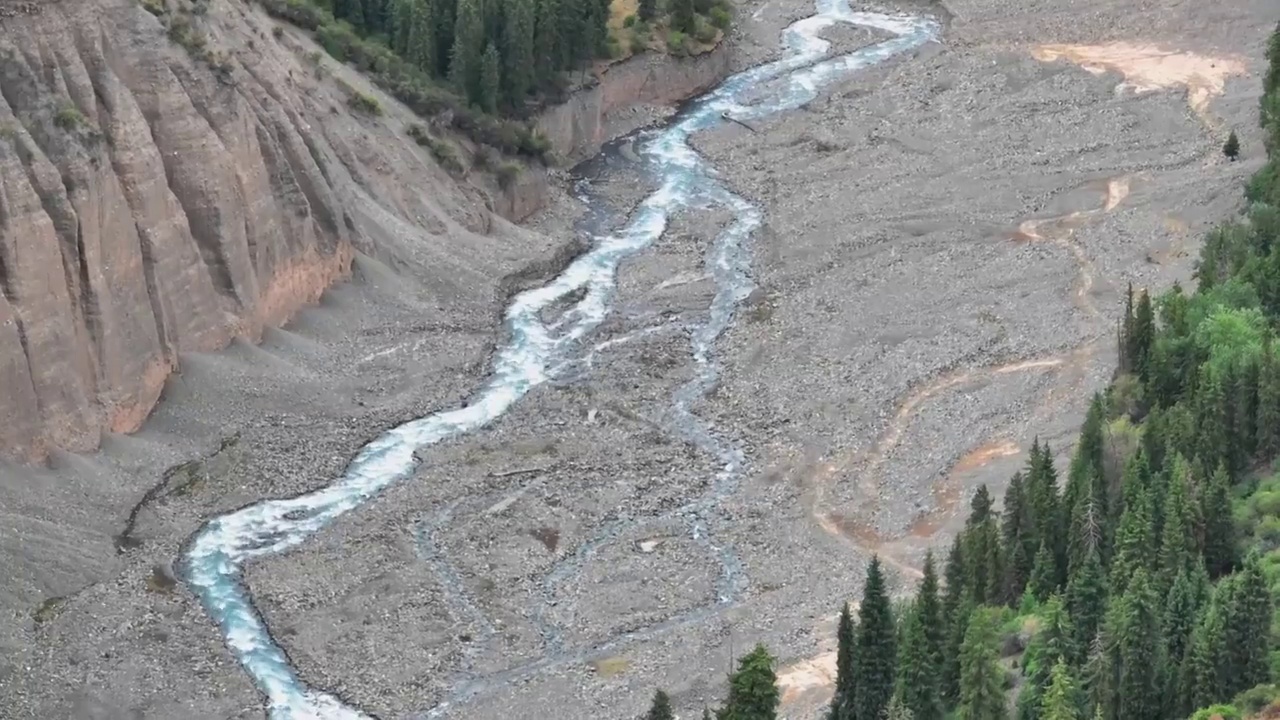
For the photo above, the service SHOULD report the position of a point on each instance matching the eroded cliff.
(178, 173)
(148, 207)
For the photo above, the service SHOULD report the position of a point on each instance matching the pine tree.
(1231, 148)
(846, 679)
(753, 690)
(1219, 525)
(1141, 652)
(660, 709)
(917, 675)
(517, 51)
(981, 678)
(875, 657)
(490, 79)
(1061, 699)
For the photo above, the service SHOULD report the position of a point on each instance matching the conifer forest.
(1143, 584)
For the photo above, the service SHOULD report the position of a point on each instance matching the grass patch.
(441, 150)
(611, 666)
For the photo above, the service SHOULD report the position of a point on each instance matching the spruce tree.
(1086, 600)
(660, 709)
(468, 49)
(490, 79)
(1248, 627)
(1018, 532)
(682, 15)
(517, 51)
(981, 677)
(1044, 575)
(1135, 547)
(898, 710)
(917, 675)
(1244, 410)
(1054, 643)
(1231, 148)
(957, 629)
(401, 26)
(1061, 699)
(1219, 525)
(1268, 410)
(1086, 476)
(1178, 551)
(846, 679)
(1181, 610)
(1206, 672)
(753, 689)
(1141, 651)
(1144, 330)
(930, 608)
(420, 47)
(546, 41)
(875, 656)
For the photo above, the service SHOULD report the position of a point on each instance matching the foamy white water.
(214, 558)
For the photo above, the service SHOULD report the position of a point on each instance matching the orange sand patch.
(979, 457)
(1148, 67)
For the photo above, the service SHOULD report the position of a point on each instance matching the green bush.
(69, 118)
(441, 150)
(703, 31)
(1257, 698)
(630, 21)
(364, 103)
(720, 17)
(1218, 712)
(676, 43)
(155, 7)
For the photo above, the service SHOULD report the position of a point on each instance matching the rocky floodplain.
(947, 242)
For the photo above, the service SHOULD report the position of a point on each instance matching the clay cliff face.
(146, 209)
(177, 173)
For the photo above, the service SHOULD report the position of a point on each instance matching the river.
(533, 351)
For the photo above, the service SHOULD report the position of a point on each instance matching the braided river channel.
(533, 352)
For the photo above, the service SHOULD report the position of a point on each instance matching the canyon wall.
(178, 173)
(618, 101)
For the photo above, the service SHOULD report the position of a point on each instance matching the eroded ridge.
(215, 555)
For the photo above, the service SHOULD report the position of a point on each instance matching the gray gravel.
(537, 569)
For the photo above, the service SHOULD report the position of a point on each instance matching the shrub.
(364, 103)
(1254, 700)
(676, 43)
(155, 7)
(507, 173)
(1218, 712)
(1231, 148)
(720, 17)
(69, 118)
(441, 150)
(277, 32)
(630, 21)
(703, 31)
